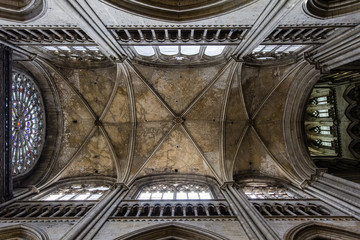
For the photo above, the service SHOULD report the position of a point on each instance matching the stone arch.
(47, 189)
(54, 124)
(293, 128)
(21, 231)
(22, 10)
(172, 11)
(312, 231)
(137, 186)
(330, 8)
(171, 231)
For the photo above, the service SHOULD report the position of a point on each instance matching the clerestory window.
(269, 192)
(77, 192)
(175, 191)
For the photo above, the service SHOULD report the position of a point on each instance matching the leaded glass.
(28, 123)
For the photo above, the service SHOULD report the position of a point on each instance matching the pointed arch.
(312, 230)
(171, 231)
(22, 231)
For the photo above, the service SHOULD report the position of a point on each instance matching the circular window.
(28, 123)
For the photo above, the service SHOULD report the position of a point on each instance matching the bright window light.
(145, 50)
(67, 197)
(65, 48)
(94, 197)
(156, 196)
(269, 48)
(190, 50)
(81, 197)
(204, 195)
(92, 48)
(144, 196)
(169, 50)
(181, 196)
(79, 48)
(53, 197)
(168, 196)
(193, 195)
(50, 48)
(214, 50)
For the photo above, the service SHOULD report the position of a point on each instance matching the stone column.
(338, 51)
(6, 181)
(93, 220)
(253, 222)
(335, 191)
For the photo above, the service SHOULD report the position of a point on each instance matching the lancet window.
(77, 192)
(321, 124)
(28, 123)
(175, 191)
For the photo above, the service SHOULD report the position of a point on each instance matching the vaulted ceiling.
(126, 118)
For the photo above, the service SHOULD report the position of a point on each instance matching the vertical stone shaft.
(6, 187)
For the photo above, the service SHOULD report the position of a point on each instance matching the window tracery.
(28, 123)
(179, 54)
(321, 123)
(267, 52)
(77, 192)
(175, 191)
(269, 192)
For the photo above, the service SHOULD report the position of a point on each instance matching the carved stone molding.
(22, 10)
(178, 10)
(330, 8)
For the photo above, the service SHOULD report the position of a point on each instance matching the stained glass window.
(28, 123)
(174, 191)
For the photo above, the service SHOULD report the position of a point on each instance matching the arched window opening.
(201, 210)
(175, 191)
(214, 50)
(320, 122)
(178, 210)
(156, 211)
(167, 210)
(268, 52)
(145, 211)
(77, 192)
(145, 50)
(264, 191)
(28, 123)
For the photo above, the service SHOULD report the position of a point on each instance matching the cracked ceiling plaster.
(131, 120)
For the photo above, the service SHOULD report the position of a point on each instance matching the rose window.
(28, 123)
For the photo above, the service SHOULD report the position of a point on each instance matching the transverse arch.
(171, 231)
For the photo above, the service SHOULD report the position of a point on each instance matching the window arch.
(28, 123)
(268, 191)
(22, 232)
(77, 192)
(170, 231)
(175, 191)
(311, 230)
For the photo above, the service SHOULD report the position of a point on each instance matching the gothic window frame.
(269, 191)
(32, 129)
(137, 186)
(63, 188)
(175, 191)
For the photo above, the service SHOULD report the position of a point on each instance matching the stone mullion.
(94, 219)
(6, 182)
(252, 221)
(267, 22)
